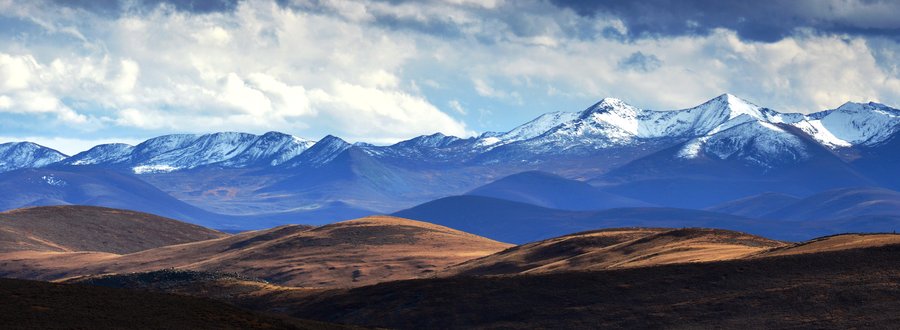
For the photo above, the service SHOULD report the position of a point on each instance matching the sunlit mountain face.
(313, 164)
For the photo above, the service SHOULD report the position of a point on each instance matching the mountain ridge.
(608, 123)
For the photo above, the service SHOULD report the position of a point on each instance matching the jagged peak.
(608, 103)
(731, 105)
(859, 107)
(331, 139)
(29, 145)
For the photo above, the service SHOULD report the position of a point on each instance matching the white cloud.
(16, 72)
(354, 68)
(456, 106)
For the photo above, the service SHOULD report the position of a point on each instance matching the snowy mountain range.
(725, 127)
(724, 149)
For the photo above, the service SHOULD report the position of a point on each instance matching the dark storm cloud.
(761, 20)
(640, 62)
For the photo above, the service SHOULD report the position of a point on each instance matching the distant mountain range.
(620, 155)
(725, 127)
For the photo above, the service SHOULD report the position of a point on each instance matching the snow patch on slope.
(18, 155)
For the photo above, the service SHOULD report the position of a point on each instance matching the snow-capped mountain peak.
(104, 153)
(322, 152)
(185, 151)
(853, 124)
(436, 140)
(737, 106)
(271, 148)
(755, 141)
(17, 155)
(529, 130)
(725, 127)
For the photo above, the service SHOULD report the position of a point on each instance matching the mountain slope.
(553, 191)
(515, 222)
(187, 151)
(83, 186)
(853, 124)
(756, 206)
(841, 203)
(666, 178)
(17, 155)
(880, 162)
(86, 228)
(120, 190)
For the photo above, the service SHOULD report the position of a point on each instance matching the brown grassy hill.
(834, 282)
(835, 243)
(618, 248)
(40, 305)
(351, 253)
(88, 228)
(855, 288)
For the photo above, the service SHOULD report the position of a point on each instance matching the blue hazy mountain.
(97, 187)
(832, 204)
(553, 191)
(515, 222)
(755, 206)
(723, 149)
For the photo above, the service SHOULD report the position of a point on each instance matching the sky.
(78, 73)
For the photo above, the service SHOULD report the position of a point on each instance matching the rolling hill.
(617, 248)
(87, 228)
(350, 253)
(838, 289)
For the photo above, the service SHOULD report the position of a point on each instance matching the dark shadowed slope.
(842, 289)
(88, 228)
(880, 162)
(755, 206)
(553, 191)
(617, 248)
(519, 223)
(350, 253)
(39, 305)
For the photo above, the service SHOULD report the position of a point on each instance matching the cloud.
(456, 106)
(766, 21)
(375, 70)
(259, 67)
(638, 61)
